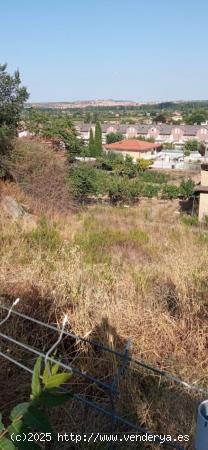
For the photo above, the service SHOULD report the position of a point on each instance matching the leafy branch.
(30, 416)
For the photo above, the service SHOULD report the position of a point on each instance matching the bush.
(114, 137)
(143, 164)
(126, 168)
(42, 174)
(122, 190)
(45, 236)
(153, 177)
(108, 161)
(170, 191)
(186, 188)
(190, 146)
(83, 181)
(150, 190)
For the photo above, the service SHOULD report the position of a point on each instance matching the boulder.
(16, 211)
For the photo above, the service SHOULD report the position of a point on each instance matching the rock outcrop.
(17, 212)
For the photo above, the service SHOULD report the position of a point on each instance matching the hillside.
(119, 273)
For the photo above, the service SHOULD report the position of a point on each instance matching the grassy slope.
(119, 273)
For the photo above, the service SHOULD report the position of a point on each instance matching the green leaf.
(54, 398)
(46, 375)
(58, 379)
(25, 445)
(20, 428)
(36, 387)
(19, 410)
(5, 444)
(15, 427)
(55, 368)
(2, 427)
(37, 420)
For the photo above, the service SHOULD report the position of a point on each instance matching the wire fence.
(111, 389)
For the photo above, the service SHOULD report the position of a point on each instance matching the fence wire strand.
(130, 359)
(100, 409)
(111, 389)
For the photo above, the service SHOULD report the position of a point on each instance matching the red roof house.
(134, 147)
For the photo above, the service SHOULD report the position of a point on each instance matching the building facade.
(135, 148)
(176, 134)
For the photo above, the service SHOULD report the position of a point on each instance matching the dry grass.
(119, 273)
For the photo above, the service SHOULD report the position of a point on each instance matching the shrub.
(122, 190)
(186, 188)
(143, 164)
(114, 137)
(126, 168)
(83, 181)
(109, 160)
(150, 190)
(170, 191)
(153, 177)
(42, 174)
(45, 236)
(190, 146)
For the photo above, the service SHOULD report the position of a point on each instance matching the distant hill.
(85, 104)
(110, 103)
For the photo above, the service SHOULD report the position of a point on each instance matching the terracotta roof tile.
(132, 145)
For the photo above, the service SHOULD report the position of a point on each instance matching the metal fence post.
(201, 441)
(114, 384)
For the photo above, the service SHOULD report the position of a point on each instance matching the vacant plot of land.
(135, 272)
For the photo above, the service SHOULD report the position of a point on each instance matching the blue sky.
(121, 49)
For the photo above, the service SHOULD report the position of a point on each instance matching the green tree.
(87, 118)
(114, 137)
(83, 181)
(57, 127)
(95, 117)
(161, 117)
(190, 146)
(98, 139)
(12, 98)
(197, 117)
(91, 145)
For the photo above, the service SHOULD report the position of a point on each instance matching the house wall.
(136, 155)
(204, 178)
(202, 134)
(203, 206)
(131, 132)
(177, 134)
(153, 132)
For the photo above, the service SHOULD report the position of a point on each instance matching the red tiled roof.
(132, 145)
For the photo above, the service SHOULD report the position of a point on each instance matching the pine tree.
(98, 139)
(12, 98)
(91, 145)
